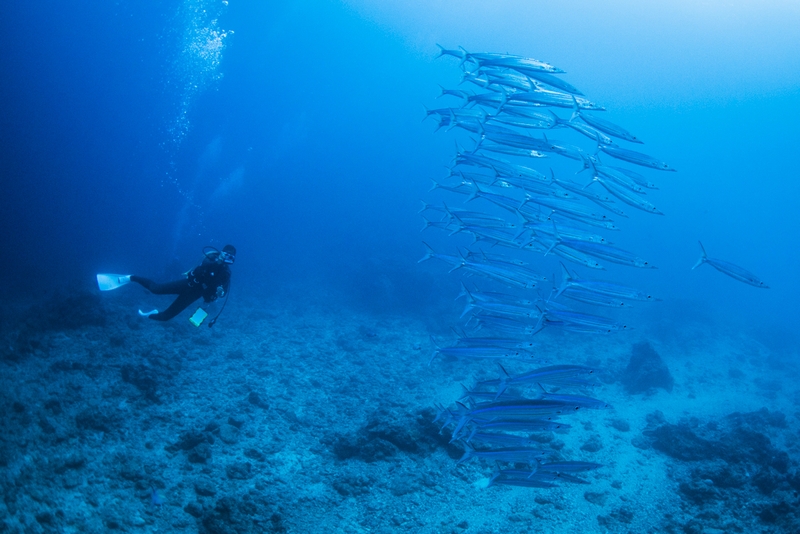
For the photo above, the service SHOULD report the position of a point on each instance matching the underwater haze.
(432, 233)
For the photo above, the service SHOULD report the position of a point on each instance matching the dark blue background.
(308, 154)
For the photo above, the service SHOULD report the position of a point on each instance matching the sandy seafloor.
(298, 413)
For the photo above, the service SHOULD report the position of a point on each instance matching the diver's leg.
(170, 288)
(185, 298)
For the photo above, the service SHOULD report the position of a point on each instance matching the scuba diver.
(210, 280)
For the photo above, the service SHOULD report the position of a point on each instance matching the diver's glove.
(220, 292)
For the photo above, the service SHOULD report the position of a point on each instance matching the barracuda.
(603, 125)
(637, 158)
(734, 271)
(600, 287)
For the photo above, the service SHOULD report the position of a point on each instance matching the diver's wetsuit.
(202, 281)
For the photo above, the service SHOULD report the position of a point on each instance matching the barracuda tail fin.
(428, 255)
(443, 413)
(703, 258)
(576, 111)
(453, 121)
(503, 385)
(463, 291)
(475, 194)
(428, 112)
(556, 238)
(436, 350)
(565, 280)
(556, 119)
(539, 324)
(471, 303)
(463, 413)
(468, 453)
(522, 221)
(460, 264)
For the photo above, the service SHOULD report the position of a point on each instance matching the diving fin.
(107, 282)
(148, 314)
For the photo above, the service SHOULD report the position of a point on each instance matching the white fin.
(107, 282)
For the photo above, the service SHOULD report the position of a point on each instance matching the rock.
(76, 310)
(95, 419)
(72, 461)
(205, 488)
(188, 440)
(721, 475)
(386, 435)
(255, 454)
(593, 444)
(596, 498)
(246, 514)
(403, 485)
(72, 480)
(256, 400)
(681, 443)
(619, 424)
(236, 421)
(699, 492)
(352, 483)
(239, 470)
(229, 434)
(616, 519)
(646, 371)
(194, 508)
(144, 378)
(376, 450)
(44, 518)
(200, 454)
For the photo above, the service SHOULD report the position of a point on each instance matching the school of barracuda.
(506, 198)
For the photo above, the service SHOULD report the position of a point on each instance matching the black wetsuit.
(202, 281)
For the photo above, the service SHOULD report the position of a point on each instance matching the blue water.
(136, 133)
